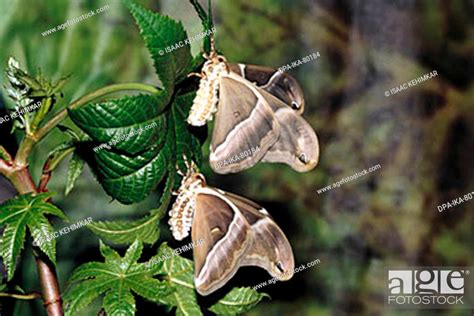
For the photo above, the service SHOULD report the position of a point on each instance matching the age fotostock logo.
(429, 287)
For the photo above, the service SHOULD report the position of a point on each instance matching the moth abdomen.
(205, 103)
(181, 217)
(182, 211)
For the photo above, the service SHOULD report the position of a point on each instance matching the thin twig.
(30, 296)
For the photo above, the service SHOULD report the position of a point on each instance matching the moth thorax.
(182, 212)
(207, 96)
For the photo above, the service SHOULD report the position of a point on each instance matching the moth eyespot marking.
(295, 105)
(215, 230)
(236, 114)
(302, 158)
(279, 266)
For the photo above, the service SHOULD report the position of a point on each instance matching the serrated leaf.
(179, 275)
(159, 33)
(76, 165)
(145, 229)
(58, 153)
(130, 170)
(11, 245)
(130, 124)
(237, 301)
(84, 293)
(119, 303)
(125, 232)
(117, 279)
(18, 214)
(40, 229)
(131, 178)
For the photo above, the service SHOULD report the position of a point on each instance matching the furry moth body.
(205, 102)
(235, 232)
(255, 107)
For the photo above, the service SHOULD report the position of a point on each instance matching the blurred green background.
(422, 137)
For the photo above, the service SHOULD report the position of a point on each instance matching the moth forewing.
(244, 121)
(226, 238)
(280, 84)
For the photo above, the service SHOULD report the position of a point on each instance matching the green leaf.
(60, 152)
(76, 165)
(131, 168)
(131, 124)
(125, 232)
(161, 32)
(131, 177)
(119, 303)
(237, 301)
(117, 279)
(12, 244)
(40, 229)
(19, 213)
(145, 229)
(179, 275)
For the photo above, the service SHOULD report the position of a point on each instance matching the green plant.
(128, 171)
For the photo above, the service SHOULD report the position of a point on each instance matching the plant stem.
(30, 140)
(49, 287)
(30, 296)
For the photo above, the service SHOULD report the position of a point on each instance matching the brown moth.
(255, 107)
(235, 231)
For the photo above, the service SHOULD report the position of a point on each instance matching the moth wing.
(226, 238)
(297, 145)
(244, 121)
(280, 84)
(270, 248)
